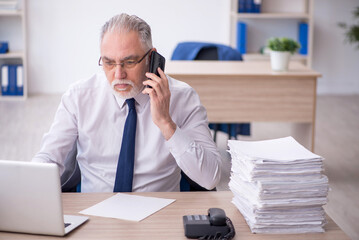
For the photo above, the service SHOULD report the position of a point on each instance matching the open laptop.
(30, 199)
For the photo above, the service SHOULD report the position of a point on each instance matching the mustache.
(122, 81)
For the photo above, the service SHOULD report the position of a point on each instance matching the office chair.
(211, 51)
(71, 178)
(188, 185)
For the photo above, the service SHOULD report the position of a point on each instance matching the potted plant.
(281, 49)
(352, 31)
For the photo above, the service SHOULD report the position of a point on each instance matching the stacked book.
(278, 186)
(249, 6)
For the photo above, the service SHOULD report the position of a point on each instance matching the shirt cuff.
(179, 143)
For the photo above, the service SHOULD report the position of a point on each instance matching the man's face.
(121, 47)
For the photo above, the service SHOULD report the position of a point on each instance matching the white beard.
(124, 94)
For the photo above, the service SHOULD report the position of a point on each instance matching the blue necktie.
(124, 174)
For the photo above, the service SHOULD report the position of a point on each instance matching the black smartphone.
(156, 61)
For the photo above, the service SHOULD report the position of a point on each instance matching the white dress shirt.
(91, 117)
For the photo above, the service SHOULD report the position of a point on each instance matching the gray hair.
(127, 23)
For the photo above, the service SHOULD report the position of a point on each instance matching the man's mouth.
(122, 86)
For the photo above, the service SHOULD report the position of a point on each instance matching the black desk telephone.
(215, 225)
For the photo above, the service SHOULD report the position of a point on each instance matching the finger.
(163, 76)
(155, 92)
(146, 90)
(153, 84)
(150, 92)
(156, 81)
(156, 84)
(153, 76)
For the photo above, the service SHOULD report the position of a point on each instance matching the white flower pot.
(279, 60)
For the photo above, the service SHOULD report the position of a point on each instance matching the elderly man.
(130, 137)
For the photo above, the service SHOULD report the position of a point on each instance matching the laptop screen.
(30, 198)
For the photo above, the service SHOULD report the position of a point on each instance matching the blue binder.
(303, 38)
(256, 6)
(249, 6)
(242, 37)
(241, 6)
(4, 47)
(12, 80)
(20, 80)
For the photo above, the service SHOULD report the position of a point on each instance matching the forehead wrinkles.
(124, 31)
(119, 46)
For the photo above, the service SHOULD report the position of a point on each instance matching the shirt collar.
(141, 100)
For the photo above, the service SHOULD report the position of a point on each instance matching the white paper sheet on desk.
(128, 207)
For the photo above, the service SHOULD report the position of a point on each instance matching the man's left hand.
(160, 102)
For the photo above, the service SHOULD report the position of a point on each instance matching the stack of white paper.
(278, 186)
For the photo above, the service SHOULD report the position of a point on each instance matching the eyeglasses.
(130, 63)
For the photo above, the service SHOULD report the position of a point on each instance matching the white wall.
(338, 62)
(63, 37)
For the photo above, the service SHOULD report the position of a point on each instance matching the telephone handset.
(215, 225)
(156, 61)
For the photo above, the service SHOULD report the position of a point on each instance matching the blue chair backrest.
(190, 51)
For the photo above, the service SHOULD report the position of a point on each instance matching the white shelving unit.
(13, 30)
(284, 14)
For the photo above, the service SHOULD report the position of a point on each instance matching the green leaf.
(283, 44)
(352, 31)
(356, 12)
(342, 25)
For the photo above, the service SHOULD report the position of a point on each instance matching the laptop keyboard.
(67, 224)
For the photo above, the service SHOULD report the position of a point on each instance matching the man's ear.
(149, 55)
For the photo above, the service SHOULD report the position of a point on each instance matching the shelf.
(277, 18)
(271, 15)
(13, 27)
(259, 56)
(11, 13)
(11, 55)
(12, 98)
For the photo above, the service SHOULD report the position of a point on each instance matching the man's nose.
(120, 72)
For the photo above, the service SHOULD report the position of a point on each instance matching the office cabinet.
(277, 18)
(13, 31)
